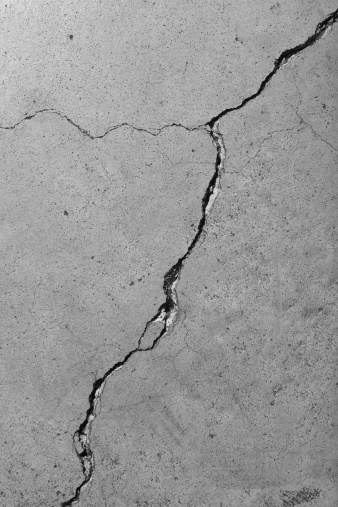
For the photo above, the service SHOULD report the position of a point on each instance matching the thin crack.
(154, 132)
(306, 123)
(168, 311)
(167, 314)
(283, 59)
(51, 111)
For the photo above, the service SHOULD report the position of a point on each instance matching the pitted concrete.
(236, 404)
(147, 63)
(87, 232)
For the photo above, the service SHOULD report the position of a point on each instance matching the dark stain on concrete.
(292, 498)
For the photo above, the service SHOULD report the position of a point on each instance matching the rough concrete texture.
(147, 62)
(169, 254)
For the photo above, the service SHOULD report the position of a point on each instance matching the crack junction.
(168, 311)
(166, 314)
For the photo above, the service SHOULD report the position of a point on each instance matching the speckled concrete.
(113, 183)
(147, 62)
(237, 407)
(87, 232)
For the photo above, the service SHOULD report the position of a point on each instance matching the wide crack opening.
(168, 311)
(166, 314)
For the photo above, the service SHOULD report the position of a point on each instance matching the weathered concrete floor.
(236, 404)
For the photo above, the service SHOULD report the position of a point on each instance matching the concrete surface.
(146, 62)
(236, 405)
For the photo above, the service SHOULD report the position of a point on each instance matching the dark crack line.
(154, 132)
(166, 314)
(283, 59)
(168, 311)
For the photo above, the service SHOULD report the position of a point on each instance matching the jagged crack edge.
(154, 132)
(284, 58)
(167, 313)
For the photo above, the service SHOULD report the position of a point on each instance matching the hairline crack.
(167, 314)
(168, 311)
(320, 31)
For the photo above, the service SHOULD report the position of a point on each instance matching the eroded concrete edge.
(168, 311)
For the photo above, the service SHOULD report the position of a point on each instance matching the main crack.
(283, 59)
(166, 314)
(168, 311)
(321, 30)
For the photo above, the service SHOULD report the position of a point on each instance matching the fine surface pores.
(130, 218)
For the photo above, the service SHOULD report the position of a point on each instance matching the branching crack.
(168, 311)
(166, 314)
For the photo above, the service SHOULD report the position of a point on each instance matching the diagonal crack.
(307, 124)
(167, 312)
(283, 59)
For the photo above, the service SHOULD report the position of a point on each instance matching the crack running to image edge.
(168, 311)
(166, 314)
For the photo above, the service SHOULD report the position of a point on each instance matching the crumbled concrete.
(226, 395)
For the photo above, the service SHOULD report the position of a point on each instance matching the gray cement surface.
(169, 254)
